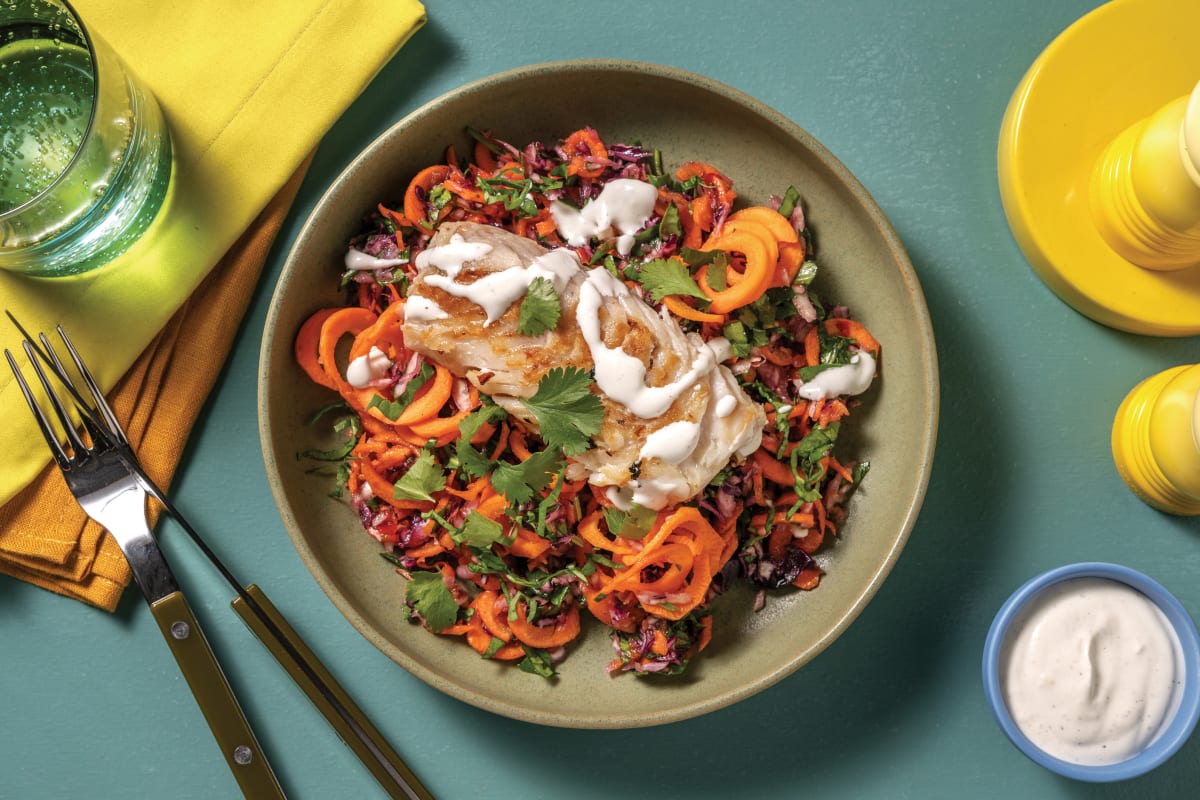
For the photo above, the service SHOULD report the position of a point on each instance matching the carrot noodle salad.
(580, 384)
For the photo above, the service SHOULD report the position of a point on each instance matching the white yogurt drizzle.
(1091, 673)
(358, 260)
(450, 257)
(622, 207)
(367, 368)
(496, 291)
(419, 308)
(655, 494)
(672, 443)
(846, 379)
(618, 374)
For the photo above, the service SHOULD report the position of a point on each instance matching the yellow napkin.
(45, 538)
(248, 90)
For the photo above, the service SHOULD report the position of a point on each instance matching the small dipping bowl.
(1182, 713)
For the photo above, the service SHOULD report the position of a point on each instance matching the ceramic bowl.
(1185, 710)
(863, 265)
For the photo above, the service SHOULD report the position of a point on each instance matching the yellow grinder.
(1156, 440)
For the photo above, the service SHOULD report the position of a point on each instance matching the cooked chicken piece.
(673, 416)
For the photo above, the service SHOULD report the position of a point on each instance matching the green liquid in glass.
(45, 101)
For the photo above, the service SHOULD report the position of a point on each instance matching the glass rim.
(93, 62)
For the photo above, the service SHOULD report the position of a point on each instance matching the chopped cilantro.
(835, 350)
(669, 276)
(520, 482)
(716, 275)
(739, 342)
(632, 524)
(537, 662)
(791, 198)
(473, 462)
(430, 598)
(817, 444)
(493, 647)
(806, 273)
(567, 412)
(423, 478)
(480, 532)
(540, 308)
(670, 225)
(392, 409)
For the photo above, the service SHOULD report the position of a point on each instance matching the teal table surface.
(910, 97)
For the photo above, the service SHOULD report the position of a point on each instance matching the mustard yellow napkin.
(248, 90)
(45, 538)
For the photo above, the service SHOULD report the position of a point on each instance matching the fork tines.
(98, 419)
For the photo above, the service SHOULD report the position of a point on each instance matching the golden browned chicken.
(673, 415)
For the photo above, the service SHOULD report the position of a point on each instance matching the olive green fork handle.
(338, 708)
(220, 708)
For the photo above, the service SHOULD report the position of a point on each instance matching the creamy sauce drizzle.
(1092, 671)
(421, 309)
(358, 260)
(496, 291)
(672, 443)
(622, 207)
(655, 494)
(367, 368)
(450, 257)
(725, 406)
(618, 374)
(846, 379)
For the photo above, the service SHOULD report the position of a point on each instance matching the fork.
(113, 496)
(251, 603)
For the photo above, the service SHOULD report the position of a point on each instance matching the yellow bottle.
(1156, 440)
(1145, 188)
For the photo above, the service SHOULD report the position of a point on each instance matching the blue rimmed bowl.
(1185, 708)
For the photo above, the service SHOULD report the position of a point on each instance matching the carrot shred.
(307, 347)
(418, 191)
(636, 586)
(564, 628)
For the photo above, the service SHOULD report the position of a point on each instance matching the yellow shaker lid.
(1114, 66)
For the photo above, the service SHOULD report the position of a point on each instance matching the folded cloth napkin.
(45, 538)
(248, 90)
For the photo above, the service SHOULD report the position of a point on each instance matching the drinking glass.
(85, 155)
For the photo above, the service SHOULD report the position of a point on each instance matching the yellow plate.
(1110, 69)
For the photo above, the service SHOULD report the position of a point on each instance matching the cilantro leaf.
(567, 412)
(520, 482)
(540, 308)
(669, 276)
(739, 342)
(791, 198)
(817, 443)
(632, 524)
(537, 662)
(473, 462)
(392, 409)
(717, 275)
(423, 478)
(670, 224)
(429, 597)
(806, 273)
(479, 531)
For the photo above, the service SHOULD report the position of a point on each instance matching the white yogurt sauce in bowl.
(1093, 671)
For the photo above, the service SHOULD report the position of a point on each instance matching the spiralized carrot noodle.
(500, 546)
